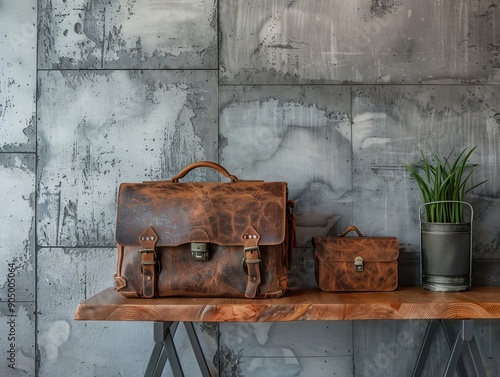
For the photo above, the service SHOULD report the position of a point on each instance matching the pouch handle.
(349, 229)
(203, 164)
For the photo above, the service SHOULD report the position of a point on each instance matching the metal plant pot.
(446, 255)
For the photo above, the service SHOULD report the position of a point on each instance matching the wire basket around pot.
(446, 253)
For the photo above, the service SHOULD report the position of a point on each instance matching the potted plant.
(446, 232)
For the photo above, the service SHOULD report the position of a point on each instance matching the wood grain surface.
(297, 305)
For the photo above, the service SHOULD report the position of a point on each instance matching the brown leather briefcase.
(203, 239)
(356, 263)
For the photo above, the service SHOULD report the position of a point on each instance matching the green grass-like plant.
(445, 181)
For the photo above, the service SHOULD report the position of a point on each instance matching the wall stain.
(381, 8)
(211, 329)
(229, 362)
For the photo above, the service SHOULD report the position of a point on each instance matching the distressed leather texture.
(334, 263)
(245, 226)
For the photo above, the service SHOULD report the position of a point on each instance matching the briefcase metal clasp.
(199, 251)
(358, 264)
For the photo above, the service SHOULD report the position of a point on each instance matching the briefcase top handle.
(349, 229)
(204, 164)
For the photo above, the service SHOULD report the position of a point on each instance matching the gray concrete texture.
(330, 96)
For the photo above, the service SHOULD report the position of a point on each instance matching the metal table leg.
(424, 349)
(475, 355)
(165, 349)
(448, 332)
(464, 338)
(198, 352)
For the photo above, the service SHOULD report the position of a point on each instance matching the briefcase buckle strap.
(251, 260)
(251, 249)
(149, 262)
(156, 261)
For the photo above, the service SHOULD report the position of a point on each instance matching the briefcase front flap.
(347, 249)
(209, 212)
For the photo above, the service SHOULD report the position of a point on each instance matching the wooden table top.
(298, 305)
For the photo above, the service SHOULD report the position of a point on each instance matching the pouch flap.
(346, 249)
(212, 211)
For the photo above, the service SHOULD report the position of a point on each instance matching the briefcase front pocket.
(356, 263)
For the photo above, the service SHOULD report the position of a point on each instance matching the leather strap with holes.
(149, 262)
(250, 239)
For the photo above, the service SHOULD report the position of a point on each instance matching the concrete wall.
(330, 96)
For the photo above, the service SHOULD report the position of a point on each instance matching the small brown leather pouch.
(356, 263)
